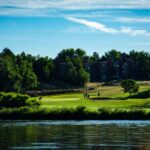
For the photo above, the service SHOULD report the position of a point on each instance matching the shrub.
(17, 100)
(33, 102)
(130, 86)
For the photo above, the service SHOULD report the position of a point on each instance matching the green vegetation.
(112, 103)
(62, 82)
(110, 97)
(130, 86)
(10, 100)
(24, 72)
(78, 113)
(72, 67)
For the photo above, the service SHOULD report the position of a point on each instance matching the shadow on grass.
(139, 95)
(108, 98)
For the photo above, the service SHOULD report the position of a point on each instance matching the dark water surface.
(77, 135)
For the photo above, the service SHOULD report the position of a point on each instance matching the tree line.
(24, 72)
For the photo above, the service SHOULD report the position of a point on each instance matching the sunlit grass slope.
(114, 97)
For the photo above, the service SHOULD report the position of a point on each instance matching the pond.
(75, 135)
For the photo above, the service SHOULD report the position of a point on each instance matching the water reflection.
(95, 135)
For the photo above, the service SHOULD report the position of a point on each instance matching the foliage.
(130, 86)
(115, 65)
(16, 73)
(78, 113)
(69, 67)
(29, 78)
(24, 72)
(16, 100)
(9, 75)
(43, 68)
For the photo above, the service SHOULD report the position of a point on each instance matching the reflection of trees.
(95, 137)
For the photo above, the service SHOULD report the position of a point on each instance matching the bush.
(17, 100)
(33, 102)
(130, 86)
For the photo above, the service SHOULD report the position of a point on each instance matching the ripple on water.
(38, 146)
(73, 122)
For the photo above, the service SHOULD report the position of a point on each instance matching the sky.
(45, 27)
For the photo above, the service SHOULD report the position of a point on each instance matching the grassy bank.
(111, 104)
(79, 113)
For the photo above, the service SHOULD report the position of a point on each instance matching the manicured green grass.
(114, 94)
(113, 103)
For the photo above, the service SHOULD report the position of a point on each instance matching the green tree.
(9, 73)
(69, 67)
(44, 69)
(130, 86)
(113, 55)
(28, 77)
(141, 64)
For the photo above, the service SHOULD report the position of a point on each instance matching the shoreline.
(79, 113)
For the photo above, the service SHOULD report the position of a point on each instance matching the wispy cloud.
(45, 7)
(92, 24)
(103, 28)
(73, 9)
(22, 12)
(76, 4)
(134, 32)
(133, 20)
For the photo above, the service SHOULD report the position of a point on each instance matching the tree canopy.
(24, 72)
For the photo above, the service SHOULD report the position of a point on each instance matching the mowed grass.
(116, 99)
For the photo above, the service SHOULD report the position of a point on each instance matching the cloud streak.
(45, 7)
(133, 20)
(133, 32)
(76, 4)
(92, 24)
(103, 28)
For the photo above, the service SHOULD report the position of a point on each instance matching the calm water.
(77, 135)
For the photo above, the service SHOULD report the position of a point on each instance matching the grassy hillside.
(110, 97)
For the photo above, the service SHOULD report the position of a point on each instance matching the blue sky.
(46, 27)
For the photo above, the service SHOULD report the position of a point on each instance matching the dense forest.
(23, 72)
